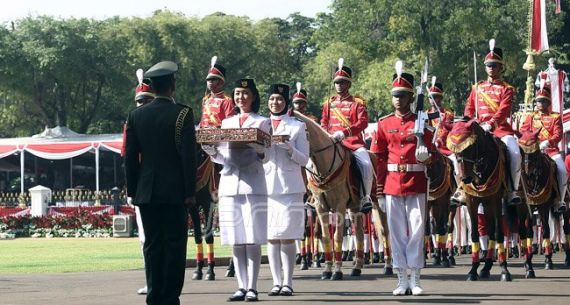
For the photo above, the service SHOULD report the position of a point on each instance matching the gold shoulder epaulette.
(385, 117)
(555, 114)
(360, 100)
(328, 100)
(508, 85)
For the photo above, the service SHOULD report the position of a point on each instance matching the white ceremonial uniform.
(243, 192)
(285, 186)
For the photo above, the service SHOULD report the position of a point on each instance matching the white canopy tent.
(60, 143)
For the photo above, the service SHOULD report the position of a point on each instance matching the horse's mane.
(310, 123)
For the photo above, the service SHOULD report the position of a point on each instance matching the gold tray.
(233, 136)
(279, 138)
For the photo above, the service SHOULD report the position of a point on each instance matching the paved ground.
(443, 286)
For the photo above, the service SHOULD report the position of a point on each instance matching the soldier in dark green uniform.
(160, 164)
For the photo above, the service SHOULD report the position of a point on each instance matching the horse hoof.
(304, 266)
(230, 273)
(530, 274)
(484, 274)
(445, 264)
(452, 261)
(197, 275)
(472, 277)
(326, 275)
(549, 266)
(210, 276)
(316, 264)
(388, 271)
(356, 272)
(506, 277)
(337, 276)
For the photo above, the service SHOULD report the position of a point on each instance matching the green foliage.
(80, 72)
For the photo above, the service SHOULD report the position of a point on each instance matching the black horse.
(441, 186)
(202, 215)
(541, 189)
(482, 166)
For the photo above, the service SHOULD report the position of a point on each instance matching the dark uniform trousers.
(166, 229)
(160, 165)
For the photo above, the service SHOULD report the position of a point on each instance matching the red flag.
(558, 10)
(539, 37)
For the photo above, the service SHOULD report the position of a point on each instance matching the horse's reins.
(476, 161)
(317, 175)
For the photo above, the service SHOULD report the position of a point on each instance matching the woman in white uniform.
(243, 193)
(285, 190)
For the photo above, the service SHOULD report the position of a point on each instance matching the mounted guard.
(550, 125)
(490, 103)
(345, 117)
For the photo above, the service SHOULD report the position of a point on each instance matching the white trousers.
(406, 216)
(514, 159)
(453, 159)
(462, 232)
(561, 175)
(365, 166)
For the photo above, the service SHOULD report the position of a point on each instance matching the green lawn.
(56, 255)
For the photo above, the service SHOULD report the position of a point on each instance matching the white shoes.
(415, 282)
(403, 284)
(143, 290)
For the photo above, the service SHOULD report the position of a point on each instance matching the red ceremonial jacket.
(551, 131)
(215, 108)
(444, 124)
(493, 101)
(394, 143)
(347, 114)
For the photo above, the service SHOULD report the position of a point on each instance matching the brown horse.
(441, 187)
(481, 158)
(330, 184)
(541, 190)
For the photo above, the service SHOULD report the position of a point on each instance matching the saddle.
(440, 187)
(208, 174)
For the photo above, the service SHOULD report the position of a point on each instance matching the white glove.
(209, 149)
(382, 203)
(338, 135)
(486, 127)
(287, 146)
(422, 153)
(130, 201)
(544, 144)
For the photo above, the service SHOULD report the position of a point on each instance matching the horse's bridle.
(319, 177)
(476, 161)
(534, 175)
